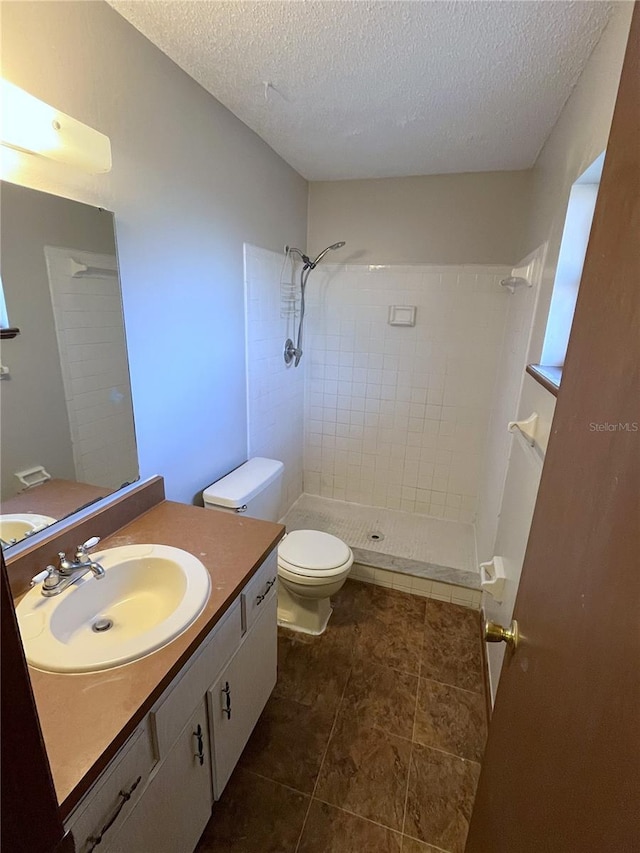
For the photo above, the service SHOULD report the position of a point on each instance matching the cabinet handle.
(125, 796)
(261, 598)
(227, 693)
(200, 753)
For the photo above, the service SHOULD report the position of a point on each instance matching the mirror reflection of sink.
(148, 596)
(17, 525)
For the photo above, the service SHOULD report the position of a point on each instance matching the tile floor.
(372, 739)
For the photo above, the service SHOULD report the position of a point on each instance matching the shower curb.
(416, 568)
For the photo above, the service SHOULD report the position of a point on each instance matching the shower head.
(330, 248)
(306, 260)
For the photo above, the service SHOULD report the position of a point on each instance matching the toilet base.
(307, 615)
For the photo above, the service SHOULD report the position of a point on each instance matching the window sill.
(7, 334)
(546, 375)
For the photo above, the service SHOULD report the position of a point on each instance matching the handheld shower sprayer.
(293, 352)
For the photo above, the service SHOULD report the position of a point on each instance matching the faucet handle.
(52, 579)
(83, 550)
(36, 579)
(49, 578)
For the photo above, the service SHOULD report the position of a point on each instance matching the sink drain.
(101, 625)
(375, 536)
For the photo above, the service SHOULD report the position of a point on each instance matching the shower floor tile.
(409, 543)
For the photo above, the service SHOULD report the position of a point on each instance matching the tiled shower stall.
(394, 418)
(397, 416)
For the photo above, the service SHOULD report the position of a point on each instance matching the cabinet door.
(238, 697)
(176, 806)
(114, 796)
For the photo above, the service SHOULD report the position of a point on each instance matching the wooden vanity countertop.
(86, 717)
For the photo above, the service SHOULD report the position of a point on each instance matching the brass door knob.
(494, 633)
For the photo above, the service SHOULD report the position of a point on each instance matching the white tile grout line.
(415, 715)
(324, 755)
(366, 819)
(412, 741)
(418, 593)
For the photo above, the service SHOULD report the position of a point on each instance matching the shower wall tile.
(397, 417)
(417, 586)
(275, 392)
(511, 372)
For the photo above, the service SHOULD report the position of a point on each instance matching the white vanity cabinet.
(115, 794)
(176, 804)
(238, 697)
(157, 793)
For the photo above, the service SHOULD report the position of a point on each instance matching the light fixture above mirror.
(29, 125)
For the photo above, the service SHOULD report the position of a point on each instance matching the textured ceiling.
(379, 89)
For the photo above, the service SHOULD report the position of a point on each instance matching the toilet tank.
(253, 489)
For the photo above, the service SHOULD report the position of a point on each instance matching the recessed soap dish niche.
(402, 315)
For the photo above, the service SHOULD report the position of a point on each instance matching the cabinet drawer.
(260, 589)
(184, 694)
(113, 796)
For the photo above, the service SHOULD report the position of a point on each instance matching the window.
(4, 319)
(573, 250)
(6, 331)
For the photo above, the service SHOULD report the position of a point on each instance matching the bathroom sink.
(148, 596)
(17, 525)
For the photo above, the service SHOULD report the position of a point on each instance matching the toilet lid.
(313, 550)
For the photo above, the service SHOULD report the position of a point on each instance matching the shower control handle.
(291, 351)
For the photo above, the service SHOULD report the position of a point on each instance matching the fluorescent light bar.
(28, 124)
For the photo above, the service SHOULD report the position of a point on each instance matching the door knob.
(494, 633)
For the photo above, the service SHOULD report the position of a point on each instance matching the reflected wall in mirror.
(66, 417)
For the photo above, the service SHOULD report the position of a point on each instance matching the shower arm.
(304, 258)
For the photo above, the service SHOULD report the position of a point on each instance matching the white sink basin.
(17, 525)
(148, 596)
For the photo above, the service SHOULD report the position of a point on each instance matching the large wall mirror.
(66, 419)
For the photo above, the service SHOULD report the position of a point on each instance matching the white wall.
(579, 136)
(472, 218)
(397, 416)
(190, 183)
(275, 391)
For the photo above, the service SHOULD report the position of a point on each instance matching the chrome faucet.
(56, 580)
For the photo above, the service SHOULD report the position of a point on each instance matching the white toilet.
(312, 566)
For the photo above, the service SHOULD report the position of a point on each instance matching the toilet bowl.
(312, 565)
